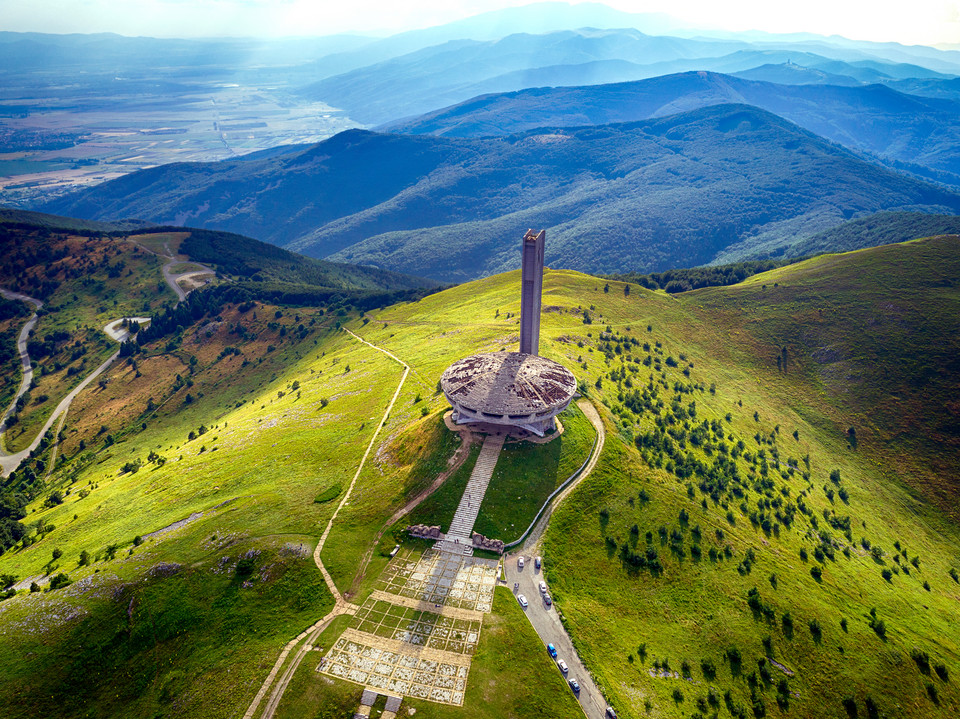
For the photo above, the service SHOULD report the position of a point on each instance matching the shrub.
(709, 669)
(59, 581)
(816, 631)
(816, 573)
(922, 660)
(932, 693)
(850, 705)
(878, 625)
(245, 567)
(941, 670)
(677, 695)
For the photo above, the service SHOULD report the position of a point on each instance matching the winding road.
(114, 330)
(546, 619)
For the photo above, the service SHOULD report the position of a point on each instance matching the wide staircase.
(458, 538)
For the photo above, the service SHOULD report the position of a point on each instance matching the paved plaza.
(442, 579)
(417, 632)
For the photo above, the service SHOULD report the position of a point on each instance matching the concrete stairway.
(458, 539)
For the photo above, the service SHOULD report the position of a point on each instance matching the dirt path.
(341, 605)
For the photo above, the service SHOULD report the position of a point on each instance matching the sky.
(926, 22)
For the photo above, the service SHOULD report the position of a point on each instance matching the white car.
(563, 665)
(519, 562)
(523, 600)
(543, 587)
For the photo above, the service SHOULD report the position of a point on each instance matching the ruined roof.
(508, 383)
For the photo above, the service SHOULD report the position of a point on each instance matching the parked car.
(611, 714)
(523, 600)
(563, 665)
(519, 562)
(552, 650)
(547, 598)
(537, 562)
(543, 587)
(575, 685)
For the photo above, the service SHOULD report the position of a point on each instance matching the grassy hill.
(876, 119)
(749, 469)
(641, 196)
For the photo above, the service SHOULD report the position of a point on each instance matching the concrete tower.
(531, 287)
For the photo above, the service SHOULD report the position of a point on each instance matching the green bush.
(330, 493)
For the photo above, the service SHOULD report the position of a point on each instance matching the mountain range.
(642, 196)
(899, 127)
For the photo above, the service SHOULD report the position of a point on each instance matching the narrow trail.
(9, 461)
(341, 605)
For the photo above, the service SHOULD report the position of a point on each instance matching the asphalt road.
(547, 624)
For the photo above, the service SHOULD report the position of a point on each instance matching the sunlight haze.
(927, 22)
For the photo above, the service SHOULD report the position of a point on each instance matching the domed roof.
(508, 383)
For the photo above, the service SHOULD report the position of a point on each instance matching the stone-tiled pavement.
(417, 632)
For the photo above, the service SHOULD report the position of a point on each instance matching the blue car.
(575, 685)
(553, 650)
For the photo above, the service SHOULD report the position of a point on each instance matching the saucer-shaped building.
(515, 389)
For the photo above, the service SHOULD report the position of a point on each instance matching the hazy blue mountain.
(674, 191)
(949, 89)
(447, 73)
(790, 73)
(535, 18)
(924, 132)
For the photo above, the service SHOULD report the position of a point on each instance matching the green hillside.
(734, 530)
(643, 196)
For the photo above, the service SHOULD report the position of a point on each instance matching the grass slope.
(268, 430)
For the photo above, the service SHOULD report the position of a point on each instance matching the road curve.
(10, 461)
(22, 350)
(545, 619)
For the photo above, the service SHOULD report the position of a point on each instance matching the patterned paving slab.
(442, 579)
(417, 632)
(398, 667)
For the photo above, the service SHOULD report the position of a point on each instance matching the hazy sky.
(907, 21)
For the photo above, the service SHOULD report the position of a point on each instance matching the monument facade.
(514, 389)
